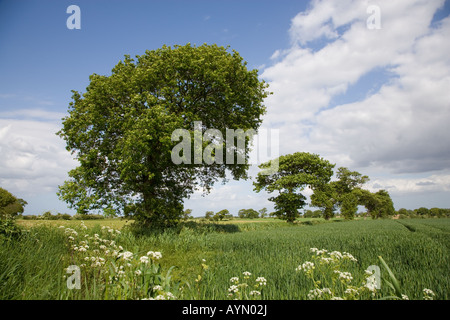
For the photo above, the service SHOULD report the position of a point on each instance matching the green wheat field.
(198, 259)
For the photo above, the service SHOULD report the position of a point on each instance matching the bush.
(9, 229)
(88, 217)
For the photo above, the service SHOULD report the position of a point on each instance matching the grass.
(416, 250)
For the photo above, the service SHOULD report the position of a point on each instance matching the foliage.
(295, 172)
(121, 129)
(331, 283)
(416, 251)
(9, 229)
(187, 214)
(340, 194)
(248, 214)
(10, 206)
(221, 215)
(209, 215)
(119, 274)
(239, 290)
(378, 204)
(263, 212)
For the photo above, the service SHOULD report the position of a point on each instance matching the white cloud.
(401, 186)
(399, 125)
(33, 158)
(407, 114)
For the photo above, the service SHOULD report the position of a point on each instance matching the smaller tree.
(222, 214)
(209, 215)
(378, 204)
(187, 214)
(295, 172)
(422, 211)
(263, 212)
(10, 206)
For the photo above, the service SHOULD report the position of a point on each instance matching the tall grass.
(417, 252)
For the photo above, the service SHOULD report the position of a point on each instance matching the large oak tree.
(120, 129)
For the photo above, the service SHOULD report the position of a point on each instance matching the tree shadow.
(193, 226)
(210, 227)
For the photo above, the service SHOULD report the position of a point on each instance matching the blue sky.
(376, 101)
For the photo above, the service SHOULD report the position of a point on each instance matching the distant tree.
(187, 214)
(209, 215)
(252, 214)
(222, 214)
(263, 212)
(339, 193)
(422, 211)
(434, 212)
(295, 172)
(349, 205)
(378, 204)
(10, 206)
(316, 214)
(308, 213)
(248, 214)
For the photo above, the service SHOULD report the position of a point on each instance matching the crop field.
(200, 260)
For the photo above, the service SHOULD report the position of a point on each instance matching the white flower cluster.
(261, 281)
(428, 294)
(305, 267)
(154, 255)
(319, 293)
(240, 290)
(344, 276)
(120, 269)
(234, 280)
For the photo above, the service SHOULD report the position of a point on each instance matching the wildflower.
(170, 295)
(371, 285)
(233, 288)
(138, 272)
(428, 294)
(255, 293)
(325, 260)
(405, 297)
(154, 255)
(305, 266)
(336, 298)
(344, 276)
(144, 259)
(261, 281)
(336, 255)
(348, 256)
(351, 292)
(318, 293)
(158, 288)
(127, 255)
(246, 274)
(234, 279)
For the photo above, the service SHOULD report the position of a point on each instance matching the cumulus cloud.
(33, 159)
(400, 126)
